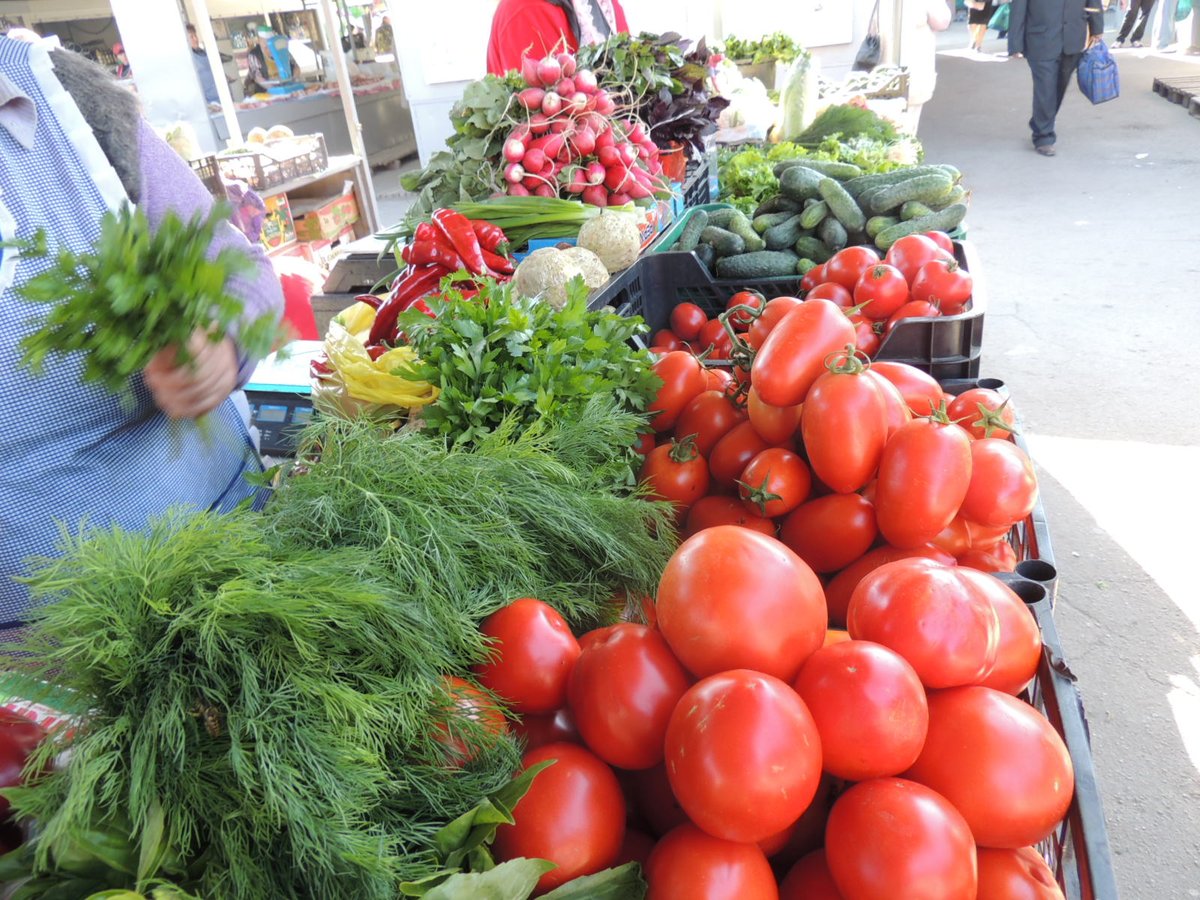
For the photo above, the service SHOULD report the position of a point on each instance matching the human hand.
(1016, 56)
(1093, 40)
(193, 389)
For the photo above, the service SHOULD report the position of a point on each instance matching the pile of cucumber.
(821, 207)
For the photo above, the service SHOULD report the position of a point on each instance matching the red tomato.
(573, 815)
(1020, 647)
(732, 598)
(866, 334)
(924, 475)
(636, 847)
(808, 834)
(898, 411)
(1015, 875)
(533, 652)
(954, 538)
(831, 290)
(622, 692)
(688, 864)
(880, 291)
(667, 340)
(742, 755)
(687, 319)
(793, 355)
(708, 417)
(683, 378)
(537, 731)
(984, 413)
(718, 379)
(775, 310)
(1000, 763)
(812, 278)
(890, 832)
(717, 509)
(715, 340)
(844, 426)
(943, 282)
(741, 321)
(645, 443)
(654, 800)
(830, 532)
(841, 588)
(677, 473)
(984, 536)
(810, 879)
(869, 707)
(846, 266)
(470, 721)
(933, 616)
(997, 557)
(920, 390)
(774, 483)
(914, 309)
(912, 251)
(775, 424)
(1003, 488)
(732, 454)
(941, 239)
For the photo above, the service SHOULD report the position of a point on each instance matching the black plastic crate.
(206, 170)
(945, 347)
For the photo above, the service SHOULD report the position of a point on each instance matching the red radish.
(608, 155)
(604, 138)
(554, 145)
(549, 70)
(595, 173)
(604, 103)
(567, 62)
(535, 158)
(585, 80)
(514, 151)
(514, 173)
(617, 178)
(637, 190)
(559, 126)
(637, 134)
(577, 182)
(618, 199)
(545, 190)
(578, 101)
(538, 123)
(518, 190)
(552, 104)
(628, 154)
(642, 152)
(529, 71)
(520, 133)
(531, 181)
(585, 141)
(532, 98)
(596, 195)
(565, 87)
(548, 168)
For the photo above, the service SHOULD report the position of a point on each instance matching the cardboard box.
(324, 219)
(278, 228)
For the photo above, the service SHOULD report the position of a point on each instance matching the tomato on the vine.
(718, 509)
(741, 320)
(707, 418)
(844, 425)
(984, 412)
(532, 654)
(830, 532)
(846, 266)
(715, 340)
(880, 291)
(682, 379)
(719, 379)
(676, 472)
(774, 483)
(687, 319)
(732, 453)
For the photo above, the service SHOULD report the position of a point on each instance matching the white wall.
(55, 10)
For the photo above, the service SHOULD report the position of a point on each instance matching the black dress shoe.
(1045, 149)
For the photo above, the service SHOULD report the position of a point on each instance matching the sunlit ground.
(1151, 518)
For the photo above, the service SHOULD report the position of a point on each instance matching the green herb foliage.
(768, 48)
(846, 121)
(138, 291)
(499, 356)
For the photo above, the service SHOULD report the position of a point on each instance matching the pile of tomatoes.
(917, 278)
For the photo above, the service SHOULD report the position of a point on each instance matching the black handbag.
(870, 51)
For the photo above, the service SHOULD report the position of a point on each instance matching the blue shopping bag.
(1097, 74)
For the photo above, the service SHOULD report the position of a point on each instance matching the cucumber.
(805, 266)
(812, 215)
(765, 221)
(957, 194)
(724, 243)
(799, 183)
(721, 217)
(778, 203)
(707, 255)
(923, 187)
(876, 224)
(842, 205)
(828, 167)
(833, 233)
(784, 234)
(752, 266)
(741, 226)
(812, 248)
(690, 236)
(943, 220)
(856, 186)
(912, 209)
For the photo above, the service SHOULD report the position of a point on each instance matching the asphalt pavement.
(1090, 262)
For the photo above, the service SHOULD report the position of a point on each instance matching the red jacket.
(534, 28)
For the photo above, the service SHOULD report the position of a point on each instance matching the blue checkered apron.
(71, 453)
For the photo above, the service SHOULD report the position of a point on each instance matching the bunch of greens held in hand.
(768, 48)
(138, 291)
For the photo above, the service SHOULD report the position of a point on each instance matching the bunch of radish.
(570, 142)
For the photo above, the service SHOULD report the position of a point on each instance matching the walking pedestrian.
(1052, 35)
(1166, 24)
(979, 13)
(1134, 26)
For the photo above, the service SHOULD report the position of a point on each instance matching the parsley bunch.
(136, 292)
(500, 356)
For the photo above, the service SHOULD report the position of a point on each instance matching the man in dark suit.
(1052, 35)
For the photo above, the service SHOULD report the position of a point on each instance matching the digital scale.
(279, 393)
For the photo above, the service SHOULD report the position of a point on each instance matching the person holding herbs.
(73, 147)
(540, 27)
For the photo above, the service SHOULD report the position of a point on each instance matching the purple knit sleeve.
(168, 184)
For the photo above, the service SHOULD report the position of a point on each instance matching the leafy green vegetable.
(500, 356)
(137, 292)
(768, 48)
(846, 121)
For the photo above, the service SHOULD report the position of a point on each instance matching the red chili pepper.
(319, 367)
(370, 299)
(424, 253)
(406, 291)
(376, 350)
(497, 263)
(422, 306)
(490, 236)
(458, 230)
